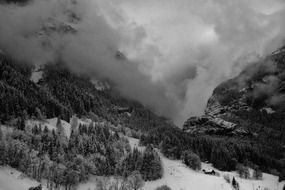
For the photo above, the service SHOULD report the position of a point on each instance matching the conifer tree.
(135, 180)
(59, 128)
(21, 123)
(257, 173)
(1, 134)
(191, 159)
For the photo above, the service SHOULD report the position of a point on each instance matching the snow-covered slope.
(11, 179)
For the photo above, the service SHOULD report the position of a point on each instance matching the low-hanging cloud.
(176, 51)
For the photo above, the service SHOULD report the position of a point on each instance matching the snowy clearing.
(50, 124)
(36, 76)
(65, 125)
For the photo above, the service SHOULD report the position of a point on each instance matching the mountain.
(243, 122)
(251, 104)
(52, 91)
(249, 107)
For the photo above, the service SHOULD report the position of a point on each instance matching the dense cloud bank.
(174, 52)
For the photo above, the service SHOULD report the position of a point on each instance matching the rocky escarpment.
(253, 103)
(214, 121)
(213, 125)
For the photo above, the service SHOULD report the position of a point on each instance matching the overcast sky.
(177, 50)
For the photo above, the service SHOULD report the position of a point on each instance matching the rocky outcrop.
(214, 107)
(212, 122)
(212, 125)
(256, 97)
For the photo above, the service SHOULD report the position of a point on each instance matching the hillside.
(58, 92)
(62, 128)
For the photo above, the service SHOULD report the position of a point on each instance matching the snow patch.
(66, 125)
(50, 124)
(100, 85)
(268, 110)
(134, 143)
(6, 129)
(37, 75)
(84, 121)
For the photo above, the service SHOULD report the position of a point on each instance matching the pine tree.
(235, 184)
(257, 173)
(39, 114)
(191, 159)
(21, 124)
(243, 171)
(1, 134)
(135, 180)
(59, 128)
(74, 123)
(46, 130)
(163, 187)
(3, 152)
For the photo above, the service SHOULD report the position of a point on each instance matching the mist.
(175, 52)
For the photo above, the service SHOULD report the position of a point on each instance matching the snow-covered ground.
(11, 179)
(5, 129)
(36, 75)
(268, 110)
(176, 175)
(50, 124)
(135, 144)
(180, 177)
(84, 121)
(65, 125)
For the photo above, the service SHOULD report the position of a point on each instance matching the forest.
(223, 152)
(90, 150)
(61, 93)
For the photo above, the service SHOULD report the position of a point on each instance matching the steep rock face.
(214, 107)
(251, 104)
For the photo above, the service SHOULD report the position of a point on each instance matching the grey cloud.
(176, 51)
